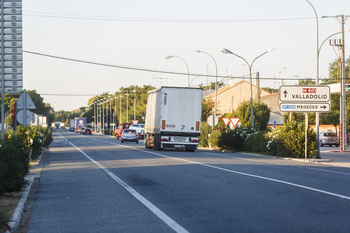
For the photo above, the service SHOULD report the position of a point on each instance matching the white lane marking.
(324, 170)
(160, 214)
(241, 173)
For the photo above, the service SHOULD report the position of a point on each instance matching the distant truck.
(79, 122)
(71, 124)
(173, 118)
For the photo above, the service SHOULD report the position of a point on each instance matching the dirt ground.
(8, 205)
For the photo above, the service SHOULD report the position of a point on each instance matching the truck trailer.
(173, 118)
(71, 124)
(80, 122)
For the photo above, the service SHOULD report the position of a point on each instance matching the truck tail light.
(197, 125)
(163, 124)
(194, 140)
(165, 139)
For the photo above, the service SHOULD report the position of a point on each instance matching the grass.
(8, 205)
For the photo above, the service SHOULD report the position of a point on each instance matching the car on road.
(118, 131)
(87, 131)
(329, 138)
(129, 135)
(81, 130)
(140, 129)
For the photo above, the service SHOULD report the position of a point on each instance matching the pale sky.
(141, 33)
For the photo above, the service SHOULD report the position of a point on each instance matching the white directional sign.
(305, 98)
(13, 84)
(305, 93)
(17, 77)
(302, 107)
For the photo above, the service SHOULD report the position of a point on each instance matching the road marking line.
(242, 173)
(342, 173)
(160, 214)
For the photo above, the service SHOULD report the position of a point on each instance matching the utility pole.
(343, 137)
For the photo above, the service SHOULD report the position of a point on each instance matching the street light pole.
(188, 71)
(110, 112)
(103, 116)
(115, 113)
(216, 80)
(127, 107)
(317, 83)
(120, 109)
(226, 51)
(134, 104)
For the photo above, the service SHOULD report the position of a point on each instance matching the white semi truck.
(173, 118)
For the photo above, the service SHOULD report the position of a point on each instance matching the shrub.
(214, 138)
(204, 138)
(14, 164)
(256, 142)
(289, 141)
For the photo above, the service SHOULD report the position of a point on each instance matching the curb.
(16, 217)
(292, 159)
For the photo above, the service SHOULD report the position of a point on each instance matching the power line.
(154, 20)
(143, 69)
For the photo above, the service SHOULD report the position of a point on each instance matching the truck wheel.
(190, 150)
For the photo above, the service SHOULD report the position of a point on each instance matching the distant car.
(140, 129)
(118, 131)
(81, 130)
(329, 138)
(129, 135)
(87, 131)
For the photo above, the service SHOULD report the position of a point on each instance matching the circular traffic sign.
(106, 124)
(21, 116)
(211, 119)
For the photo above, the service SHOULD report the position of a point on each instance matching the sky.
(138, 34)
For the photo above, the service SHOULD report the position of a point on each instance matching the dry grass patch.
(8, 205)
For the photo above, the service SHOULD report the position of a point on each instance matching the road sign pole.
(306, 128)
(2, 73)
(25, 106)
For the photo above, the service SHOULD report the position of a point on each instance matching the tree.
(261, 114)
(270, 90)
(334, 72)
(42, 108)
(207, 109)
(307, 81)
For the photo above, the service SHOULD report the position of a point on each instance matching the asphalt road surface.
(97, 184)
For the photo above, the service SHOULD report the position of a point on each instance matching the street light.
(115, 113)
(134, 104)
(188, 71)
(127, 108)
(160, 80)
(120, 109)
(226, 51)
(216, 80)
(103, 115)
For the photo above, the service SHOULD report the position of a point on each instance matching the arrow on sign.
(324, 107)
(285, 93)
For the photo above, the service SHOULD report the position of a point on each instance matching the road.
(97, 184)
